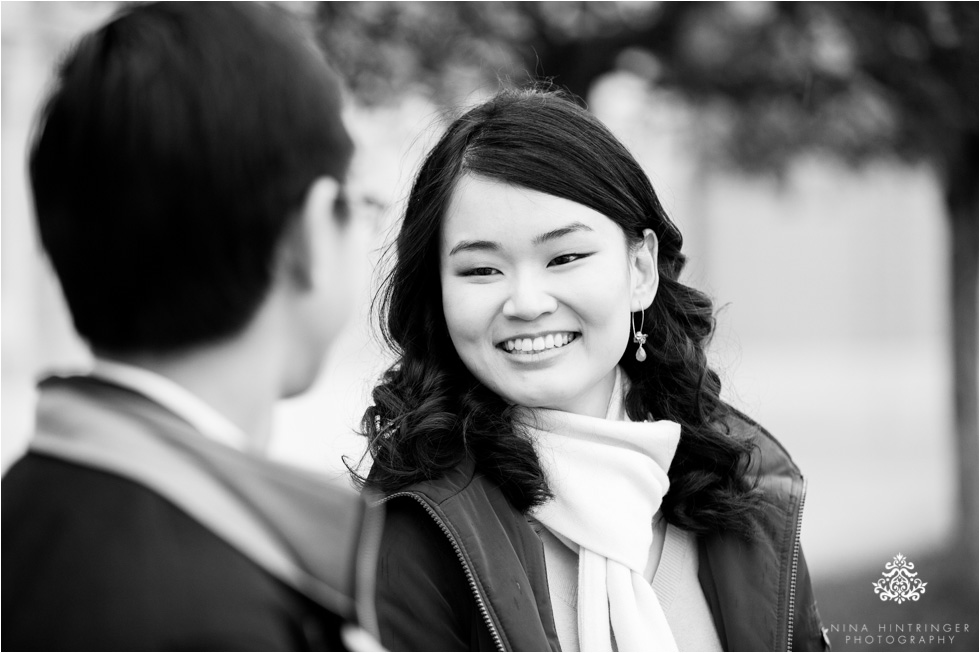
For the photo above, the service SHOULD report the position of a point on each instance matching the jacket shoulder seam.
(756, 431)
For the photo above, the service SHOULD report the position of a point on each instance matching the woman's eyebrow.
(474, 246)
(560, 232)
(491, 246)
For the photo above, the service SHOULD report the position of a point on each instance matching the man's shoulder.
(135, 568)
(59, 516)
(89, 507)
(295, 524)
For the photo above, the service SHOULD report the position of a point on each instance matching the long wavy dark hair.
(430, 412)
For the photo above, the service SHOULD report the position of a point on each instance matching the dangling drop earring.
(639, 337)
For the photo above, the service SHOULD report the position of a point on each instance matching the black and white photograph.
(505, 326)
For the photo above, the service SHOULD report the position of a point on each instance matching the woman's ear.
(644, 274)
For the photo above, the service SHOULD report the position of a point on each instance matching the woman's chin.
(565, 391)
(549, 400)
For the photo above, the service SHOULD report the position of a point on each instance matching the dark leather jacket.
(461, 569)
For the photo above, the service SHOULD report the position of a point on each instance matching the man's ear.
(299, 250)
(644, 274)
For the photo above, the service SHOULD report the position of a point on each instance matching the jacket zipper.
(794, 570)
(498, 642)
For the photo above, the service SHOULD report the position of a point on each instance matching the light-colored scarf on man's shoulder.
(608, 477)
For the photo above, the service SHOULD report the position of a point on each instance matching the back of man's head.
(169, 162)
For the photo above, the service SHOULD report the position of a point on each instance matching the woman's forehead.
(489, 209)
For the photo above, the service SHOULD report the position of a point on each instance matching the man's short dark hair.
(174, 153)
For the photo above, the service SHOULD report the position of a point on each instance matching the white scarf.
(608, 477)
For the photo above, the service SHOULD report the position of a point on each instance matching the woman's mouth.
(535, 344)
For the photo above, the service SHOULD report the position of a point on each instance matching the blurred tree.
(857, 80)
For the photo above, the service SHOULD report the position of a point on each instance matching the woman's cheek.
(598, 294)
(466, 308)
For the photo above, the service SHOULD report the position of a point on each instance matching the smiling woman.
(537, 292)
(559, 469)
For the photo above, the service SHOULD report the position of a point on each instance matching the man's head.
(189, 159)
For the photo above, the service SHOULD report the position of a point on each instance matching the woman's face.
(537, 293)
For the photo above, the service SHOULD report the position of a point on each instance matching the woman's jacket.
(461, 569)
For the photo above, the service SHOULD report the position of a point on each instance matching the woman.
(558, 465)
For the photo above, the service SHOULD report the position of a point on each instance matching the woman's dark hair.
(429, 411)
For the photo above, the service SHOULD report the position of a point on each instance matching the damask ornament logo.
(899, 583)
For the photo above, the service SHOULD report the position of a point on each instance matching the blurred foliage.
(856, 80)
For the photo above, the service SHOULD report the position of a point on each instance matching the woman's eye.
(478, 272)
(565, 259)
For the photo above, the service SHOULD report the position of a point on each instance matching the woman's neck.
(594, 402)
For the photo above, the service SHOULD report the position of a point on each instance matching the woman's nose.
(529, 300)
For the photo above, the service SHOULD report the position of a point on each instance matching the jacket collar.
(494, 541)
(175, 398)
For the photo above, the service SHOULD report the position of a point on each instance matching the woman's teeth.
(541, 343)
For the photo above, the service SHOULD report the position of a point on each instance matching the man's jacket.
(124, 528)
